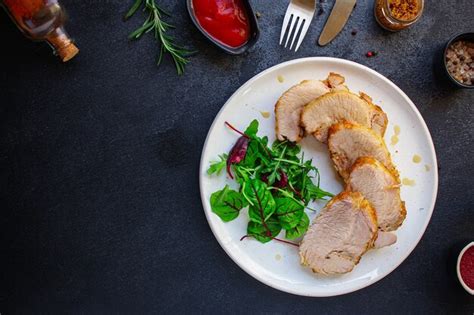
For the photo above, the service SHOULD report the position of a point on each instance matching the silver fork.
(298, 16)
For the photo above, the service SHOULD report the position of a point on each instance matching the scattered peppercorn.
(371, 53)
(354, 32)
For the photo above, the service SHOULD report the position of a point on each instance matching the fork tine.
(304, 30)
(296, 22)
(286, 20)
(290, 30)
(299, 23)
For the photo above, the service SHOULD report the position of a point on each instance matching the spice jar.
(396, 15)
(43, 20)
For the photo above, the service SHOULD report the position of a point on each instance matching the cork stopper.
(68, 52)
(63, 45)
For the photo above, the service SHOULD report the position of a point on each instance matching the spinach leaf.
(264, 233)
(289, 212)
(262, 204)
(227, 203)
(217, 166)
(298, 230)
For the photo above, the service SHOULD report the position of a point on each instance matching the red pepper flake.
(371, 53)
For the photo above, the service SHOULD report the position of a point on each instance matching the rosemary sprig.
(155, 23)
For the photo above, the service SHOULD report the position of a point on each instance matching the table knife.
(336, 21)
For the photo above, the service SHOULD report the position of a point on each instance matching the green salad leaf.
(264, 233)
(262, 204)
(313, 192)
(227, 203)
(288, 212)
(299, 229)
(252, 156)
(252, 129)
(217, 166)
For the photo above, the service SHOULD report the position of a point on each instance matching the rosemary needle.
(155, 23)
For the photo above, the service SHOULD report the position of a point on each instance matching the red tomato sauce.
(225, 20)
(467, 267)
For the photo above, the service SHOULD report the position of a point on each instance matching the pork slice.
(384, 239)
(342, 232)
(339, 106)
(379, 119)
(381, 188)
(289, 106)
(335, 82)
(347, 142)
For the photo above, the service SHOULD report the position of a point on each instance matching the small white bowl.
(464, 285)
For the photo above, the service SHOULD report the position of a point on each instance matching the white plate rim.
(202, 166)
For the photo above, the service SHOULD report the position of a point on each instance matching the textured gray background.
(99, 161)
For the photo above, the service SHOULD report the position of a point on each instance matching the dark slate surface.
(99, 162)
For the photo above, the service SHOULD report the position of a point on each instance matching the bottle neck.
(62, 44)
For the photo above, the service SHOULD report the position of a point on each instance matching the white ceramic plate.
(277, 264)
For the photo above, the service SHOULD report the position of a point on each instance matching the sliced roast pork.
(339, 106)
(290, 104)
(384, 239)
(343, 231)
(336, 82)
(381, 188)
(347, 142)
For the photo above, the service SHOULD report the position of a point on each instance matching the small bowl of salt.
(459, 60)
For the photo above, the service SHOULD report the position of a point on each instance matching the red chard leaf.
(237, 154)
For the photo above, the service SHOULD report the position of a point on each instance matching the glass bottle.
(384, 14)
(43, 20)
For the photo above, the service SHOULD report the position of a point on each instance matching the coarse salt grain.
(460, 61)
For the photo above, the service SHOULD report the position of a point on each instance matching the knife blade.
(336, 21)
